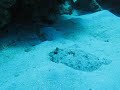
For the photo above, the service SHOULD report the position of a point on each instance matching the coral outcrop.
(41, 10)
(5, 14)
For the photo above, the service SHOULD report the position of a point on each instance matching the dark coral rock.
(88, 5)
(5, 14)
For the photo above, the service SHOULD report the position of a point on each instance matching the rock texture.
(40, 10)
(88, 5)
(111, 5)
(5, 14)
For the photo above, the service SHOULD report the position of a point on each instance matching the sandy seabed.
(94, 39)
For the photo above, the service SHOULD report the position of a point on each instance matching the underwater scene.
(59, 44)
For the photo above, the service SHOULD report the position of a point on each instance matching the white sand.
(29, 67)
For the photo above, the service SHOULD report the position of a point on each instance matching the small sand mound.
(77, 59)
